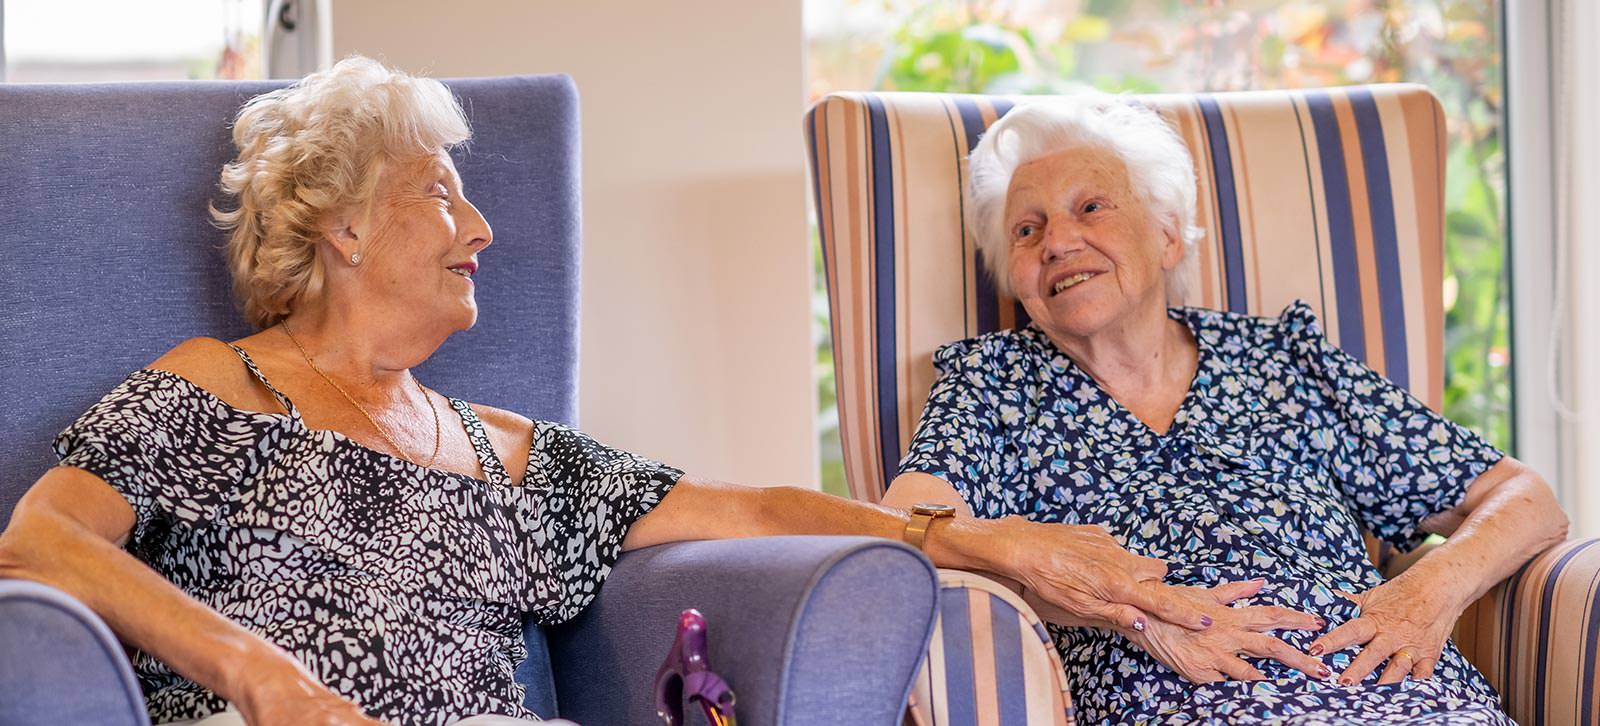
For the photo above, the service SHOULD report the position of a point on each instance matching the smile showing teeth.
(1070, 281)
(462, 271)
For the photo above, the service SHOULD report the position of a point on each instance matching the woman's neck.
(1147, 356)
(349, 347)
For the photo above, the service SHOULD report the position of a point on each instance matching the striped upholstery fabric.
(1334, 196)
(1303, 194)
(1537, 637)
(990, 662)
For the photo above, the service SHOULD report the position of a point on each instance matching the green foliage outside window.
(1451, 46)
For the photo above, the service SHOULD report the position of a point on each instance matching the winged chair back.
(1334, 196)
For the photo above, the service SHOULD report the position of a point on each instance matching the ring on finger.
(1403, 652)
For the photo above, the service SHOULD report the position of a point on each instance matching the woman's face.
(1087, 255)
(419, 246)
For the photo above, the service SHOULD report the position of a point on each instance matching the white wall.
(696, 270)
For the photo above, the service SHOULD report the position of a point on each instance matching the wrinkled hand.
(290, 696)
(1405, 621)
(1217, 653)
(1089, 578)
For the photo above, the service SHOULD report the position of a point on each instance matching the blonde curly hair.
(313, 149)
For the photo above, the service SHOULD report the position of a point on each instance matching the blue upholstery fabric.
(807, 630)
(110, 258)
(49, 639)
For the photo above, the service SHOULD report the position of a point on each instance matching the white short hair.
(313, 148)
(1160, 171)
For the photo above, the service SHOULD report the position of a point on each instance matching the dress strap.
(262, 377)
(493, 469)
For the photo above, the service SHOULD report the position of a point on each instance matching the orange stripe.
(1183, 115)
(986, 698)
(860, 213)
(1424, 120)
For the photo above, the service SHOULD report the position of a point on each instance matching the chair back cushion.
(1334, 196)
(110, 257)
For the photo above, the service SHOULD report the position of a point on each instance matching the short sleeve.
(592, 495)
(172, 450)
(960, 438)
(1397, 461)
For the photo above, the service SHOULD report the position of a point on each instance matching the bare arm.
(66, 533)
(1079, 569)
(1508, 516)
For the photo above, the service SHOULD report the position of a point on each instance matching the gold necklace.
(436, 426)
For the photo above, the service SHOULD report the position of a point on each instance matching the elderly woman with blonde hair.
(291, 528)
(1238, 449)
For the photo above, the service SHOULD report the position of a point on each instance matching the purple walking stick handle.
(686, 673)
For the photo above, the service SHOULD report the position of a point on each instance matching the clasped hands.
(1078, 575)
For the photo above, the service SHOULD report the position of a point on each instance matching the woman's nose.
(1061, 240)
(477, 230)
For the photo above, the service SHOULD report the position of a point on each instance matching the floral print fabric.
(1283, 451)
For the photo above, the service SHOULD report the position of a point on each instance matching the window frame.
(1530, 234)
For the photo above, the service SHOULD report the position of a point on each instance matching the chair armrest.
(59, 663)
(806, 630)
(1536, 635)
(990, 656)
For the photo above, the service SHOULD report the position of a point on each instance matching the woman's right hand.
(1218, 652)
(1089, 579)
(285, 694)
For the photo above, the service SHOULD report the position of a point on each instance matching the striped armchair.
(1334, 196)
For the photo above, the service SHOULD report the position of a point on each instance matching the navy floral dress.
(1284, 450)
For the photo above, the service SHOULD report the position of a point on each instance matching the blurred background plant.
(1179, 46)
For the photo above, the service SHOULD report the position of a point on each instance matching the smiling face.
(1086, 253)
(419, 245)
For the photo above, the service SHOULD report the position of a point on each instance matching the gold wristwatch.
(922, 516)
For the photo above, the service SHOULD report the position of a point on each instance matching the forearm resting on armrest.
(63, 534)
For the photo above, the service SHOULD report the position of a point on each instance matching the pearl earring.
(355, 258)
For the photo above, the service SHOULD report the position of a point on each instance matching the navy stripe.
(1227, 204)
(1385, 245)
(988, 303)
(1001, 108)
(1011, 685)
(883, 268)
(1540, 672)
(1341, 224)
(1592, 639)
(961, 696)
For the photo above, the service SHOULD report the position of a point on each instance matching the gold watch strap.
(917, 529)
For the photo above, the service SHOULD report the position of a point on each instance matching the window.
(1032, 46)
(86, 40)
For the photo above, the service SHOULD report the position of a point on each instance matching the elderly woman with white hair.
(291, 528)
(1238, 449)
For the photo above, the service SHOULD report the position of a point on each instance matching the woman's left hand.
(1405, 621)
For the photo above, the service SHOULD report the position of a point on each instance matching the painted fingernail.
(1321, 623)
(1344, 681)
(1323, 672)
(1205, 621)
(1315, 649)
(1138, 624)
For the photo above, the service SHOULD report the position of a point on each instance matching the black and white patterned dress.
(400, 587)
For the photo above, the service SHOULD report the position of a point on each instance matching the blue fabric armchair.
(109, 259)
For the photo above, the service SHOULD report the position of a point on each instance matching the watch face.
(937, 510)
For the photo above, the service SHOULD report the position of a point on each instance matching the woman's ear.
(1172, 250)
(338, 229)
